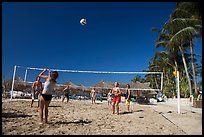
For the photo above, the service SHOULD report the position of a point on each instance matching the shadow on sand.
(125, 112)
(54, 106)
(98, 103)
(147, 104)
(72, 122)
(14, 115)
(139, 110)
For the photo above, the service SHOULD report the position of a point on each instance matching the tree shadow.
(14, 115)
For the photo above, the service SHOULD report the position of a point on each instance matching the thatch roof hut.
(83, 89)
(71, 85)
(137, 85)
(103, 86)
(142, 89)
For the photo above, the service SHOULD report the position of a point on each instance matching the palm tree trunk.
(193, 68)
(186, 69)
(4, 85)
(155, 79)
(167, 76)
(152, 85)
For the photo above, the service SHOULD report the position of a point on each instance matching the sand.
(83, 118)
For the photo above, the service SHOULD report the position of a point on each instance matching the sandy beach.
(80, 117)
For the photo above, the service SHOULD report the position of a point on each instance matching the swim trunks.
(116, 98)
(35, 94)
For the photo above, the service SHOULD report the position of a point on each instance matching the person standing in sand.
(47, 92)
(128, 97)
(109, 97)
(116, 99)
(93, 96)
(36, 90)
(66, 94)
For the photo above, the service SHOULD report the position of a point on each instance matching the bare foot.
(41, 123)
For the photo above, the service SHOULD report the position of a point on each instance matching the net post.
(162, 75)
(14, 74)
(178, 93)
(25, 75)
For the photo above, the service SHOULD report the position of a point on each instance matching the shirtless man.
(36, 90)
(66, 93)
(93, 96)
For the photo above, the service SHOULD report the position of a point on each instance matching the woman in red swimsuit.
(116, 99)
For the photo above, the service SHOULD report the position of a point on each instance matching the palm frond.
(183, 35)
(160, 44)
(156, 30)
(191, 7)
(180, 13)
(175, 25)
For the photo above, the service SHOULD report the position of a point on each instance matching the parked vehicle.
(99, 97)
(160, 97)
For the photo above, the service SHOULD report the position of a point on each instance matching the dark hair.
(117, 83)
(128, 85)
(54, 75)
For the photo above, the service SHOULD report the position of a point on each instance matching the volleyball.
(83, 21)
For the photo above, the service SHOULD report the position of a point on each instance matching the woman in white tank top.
(47, 92)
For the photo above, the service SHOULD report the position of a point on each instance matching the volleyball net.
(85, 80)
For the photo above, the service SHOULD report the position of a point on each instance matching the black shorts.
(47, 97)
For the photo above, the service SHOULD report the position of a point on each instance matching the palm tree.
(167, 59)
(138, 78)
(4, 85)
(162, 62)
(176, 38)
(193, 11)
(183, 27)
(163, 42)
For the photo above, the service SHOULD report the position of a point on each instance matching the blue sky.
(117, 36)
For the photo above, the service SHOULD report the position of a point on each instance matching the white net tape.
(96, 72)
